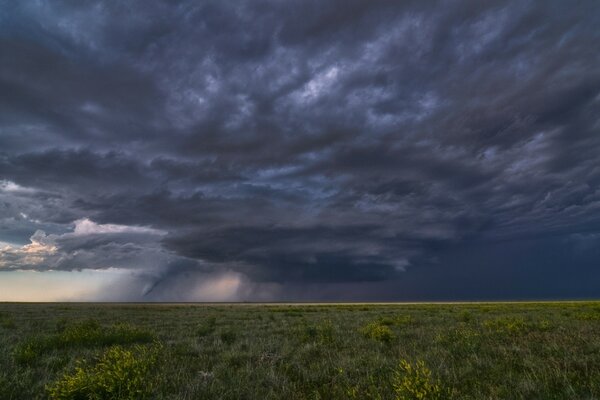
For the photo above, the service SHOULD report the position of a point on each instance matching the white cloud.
(12, 187)
(320, 84)
(90, 245)
(37, 252)
(88, 227)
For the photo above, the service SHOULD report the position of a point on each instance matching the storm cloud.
(337, 150)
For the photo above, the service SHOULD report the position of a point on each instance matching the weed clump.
(118, 374)
(378, 331)
(415, 382)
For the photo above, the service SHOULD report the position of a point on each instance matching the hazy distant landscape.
(302, 351)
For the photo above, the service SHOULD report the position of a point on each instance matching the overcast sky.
(299, 150)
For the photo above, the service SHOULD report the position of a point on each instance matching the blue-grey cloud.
(353, 149)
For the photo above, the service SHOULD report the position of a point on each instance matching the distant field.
(316, 351)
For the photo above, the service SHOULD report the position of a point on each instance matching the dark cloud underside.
(335, 150)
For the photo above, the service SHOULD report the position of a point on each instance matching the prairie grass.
(7, 322)
(84, 334)
(323, 351)
(118, 374)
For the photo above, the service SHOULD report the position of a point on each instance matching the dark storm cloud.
(316, 145)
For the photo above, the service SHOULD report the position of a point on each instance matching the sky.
(299, 150)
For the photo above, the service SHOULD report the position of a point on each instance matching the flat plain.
(545, 350)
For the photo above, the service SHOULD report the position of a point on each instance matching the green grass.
(321, 351)
(81, 334)
(117, 374)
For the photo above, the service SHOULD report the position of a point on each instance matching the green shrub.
(118, 374)
(378, 331)
(544, 325)
(415, 382)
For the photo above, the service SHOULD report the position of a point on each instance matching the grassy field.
(320, 351)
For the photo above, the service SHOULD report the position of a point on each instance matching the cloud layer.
(304, 150)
